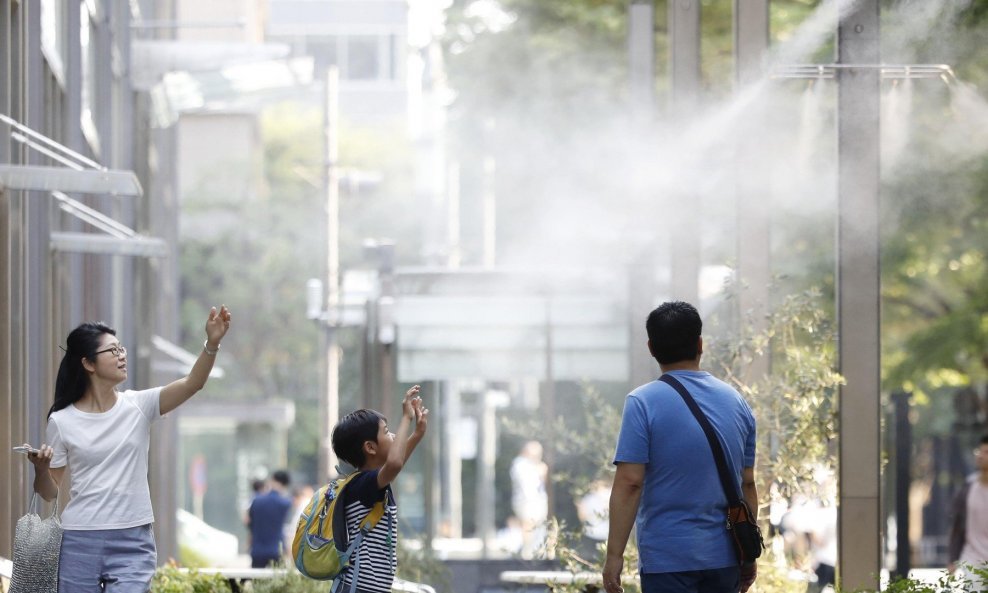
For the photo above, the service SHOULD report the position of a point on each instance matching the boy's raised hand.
(421, 417)
(408, 403)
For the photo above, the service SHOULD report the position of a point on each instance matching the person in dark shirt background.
(266, 520)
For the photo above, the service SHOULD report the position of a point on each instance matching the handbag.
(37, 544)
(745, 534)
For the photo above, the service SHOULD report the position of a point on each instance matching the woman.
(99, 438)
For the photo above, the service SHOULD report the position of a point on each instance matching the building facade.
(83, 222)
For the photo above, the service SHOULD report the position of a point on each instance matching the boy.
(363, 440)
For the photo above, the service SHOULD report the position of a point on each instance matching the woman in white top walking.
(101, 436)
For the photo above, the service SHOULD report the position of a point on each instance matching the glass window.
(362, 58)
(53, 33)
(324, 51)
(87, 45)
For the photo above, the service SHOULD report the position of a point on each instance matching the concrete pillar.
(641, 56)
(858, 297)
(751, 42)
(451, 474)
(486, 457)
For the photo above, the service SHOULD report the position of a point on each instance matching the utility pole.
(684, 51)
(329, 409)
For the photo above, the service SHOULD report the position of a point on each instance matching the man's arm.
(625, 496)
(749, 489)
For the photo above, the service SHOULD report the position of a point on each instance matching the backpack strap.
(356, 562)
(373, 517)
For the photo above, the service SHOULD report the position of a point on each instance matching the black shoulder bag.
(744, 532)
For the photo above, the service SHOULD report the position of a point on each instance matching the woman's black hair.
(72, 380)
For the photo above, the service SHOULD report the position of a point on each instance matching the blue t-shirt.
(268, 513)
(681, 522)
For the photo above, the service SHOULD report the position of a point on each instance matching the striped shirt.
(377, 556)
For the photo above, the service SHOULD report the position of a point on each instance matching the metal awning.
(36, 178)
(180, 360)
(83, 176)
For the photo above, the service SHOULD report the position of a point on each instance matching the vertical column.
(489, 202)
(37, 304)
(684, 44)
(858, 296)
(330, 408)
(384, 337)
(548, 404)
(7, 504)
(641, 55)
(432, 472)
(903, 480)
(642, 286)
(452, 481)
(751, 42)
(486, 453)
(642, 292)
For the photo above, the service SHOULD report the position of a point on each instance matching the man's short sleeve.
(634, 437)
(54, 438)
(749, 442)
(364, 488)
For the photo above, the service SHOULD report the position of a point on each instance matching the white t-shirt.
(107, 457)
(975, 550)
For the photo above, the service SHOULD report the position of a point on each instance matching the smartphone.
(25, 449)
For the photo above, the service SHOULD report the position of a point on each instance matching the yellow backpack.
(317, 552)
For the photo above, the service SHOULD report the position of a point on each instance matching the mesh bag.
(37, 543)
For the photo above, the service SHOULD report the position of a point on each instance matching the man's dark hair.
(984, 440)
(281, 476)
(674, 330)
(352, 431)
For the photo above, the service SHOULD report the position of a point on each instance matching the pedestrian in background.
(968, 543)
(529, 499)
(266, 519)
(98, 439)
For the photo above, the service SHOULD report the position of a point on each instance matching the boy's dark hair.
(352, 431)
(282, 477)
(674, 330)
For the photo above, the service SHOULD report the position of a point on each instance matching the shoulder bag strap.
(729, 485)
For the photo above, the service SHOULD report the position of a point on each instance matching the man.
(666, 474)
(266, 520)
(968, 544)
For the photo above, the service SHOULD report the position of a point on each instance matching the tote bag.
(37, 543)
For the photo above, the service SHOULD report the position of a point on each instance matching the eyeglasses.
(116, 350)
